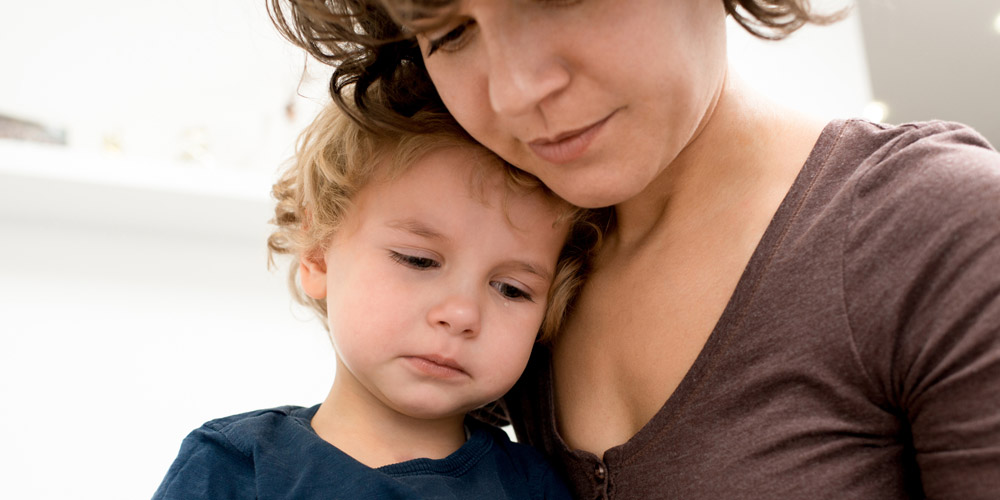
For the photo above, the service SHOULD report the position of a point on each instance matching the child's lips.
(436, 366)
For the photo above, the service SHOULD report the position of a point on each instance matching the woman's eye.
(452, 40)
(511, 292)
(414, 261)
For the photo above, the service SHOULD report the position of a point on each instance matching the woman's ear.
(312, 274)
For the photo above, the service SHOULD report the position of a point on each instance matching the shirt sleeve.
(208, 466)
(922, 271)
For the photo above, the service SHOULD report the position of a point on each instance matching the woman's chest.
(773, 404)
(634, 334)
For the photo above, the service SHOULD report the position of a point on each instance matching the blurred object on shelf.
(23, 130)
(195, 146)
(111, 142)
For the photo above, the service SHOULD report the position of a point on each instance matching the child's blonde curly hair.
(336, 157)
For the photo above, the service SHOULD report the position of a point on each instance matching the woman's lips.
(570, 145)
(436, 366)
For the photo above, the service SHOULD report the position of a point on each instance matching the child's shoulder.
(222, 458)
(522, 460)
(246, 431)
(261, 419)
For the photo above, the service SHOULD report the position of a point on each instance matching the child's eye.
(414, 261)
(559, 3)
(511, 292)
(452, 40)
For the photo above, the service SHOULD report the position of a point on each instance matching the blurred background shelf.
(41, 182)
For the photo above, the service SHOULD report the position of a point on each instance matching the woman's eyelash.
(414, 261)
(512, 292)
(450, 37)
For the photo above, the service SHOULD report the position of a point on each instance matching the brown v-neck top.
(859, 356)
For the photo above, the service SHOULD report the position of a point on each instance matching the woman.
(782, 308)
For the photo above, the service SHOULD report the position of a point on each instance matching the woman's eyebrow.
(431, 21)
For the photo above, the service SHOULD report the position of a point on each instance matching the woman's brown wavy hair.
(379, 77)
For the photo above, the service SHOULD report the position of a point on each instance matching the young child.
(436, 267)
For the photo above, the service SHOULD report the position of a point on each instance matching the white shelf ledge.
(53, 184)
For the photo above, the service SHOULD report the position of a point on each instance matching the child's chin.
(427, 410)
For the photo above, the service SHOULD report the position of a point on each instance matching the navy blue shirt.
(276, 454)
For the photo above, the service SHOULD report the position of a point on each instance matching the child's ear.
(312, 274)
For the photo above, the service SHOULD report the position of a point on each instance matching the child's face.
(435, 297)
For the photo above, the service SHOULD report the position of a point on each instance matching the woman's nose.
(523, 72)
(457, 313)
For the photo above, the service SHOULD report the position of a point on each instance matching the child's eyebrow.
(528, 267)
(416, 227)
(422, 229)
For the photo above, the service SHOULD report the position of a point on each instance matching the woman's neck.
(746, 149)
(357, 423)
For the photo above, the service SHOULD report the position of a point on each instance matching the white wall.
(134, 299)
(820, 70)
(127, 322)
(156, 78)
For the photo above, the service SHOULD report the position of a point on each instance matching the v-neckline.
(728, 322)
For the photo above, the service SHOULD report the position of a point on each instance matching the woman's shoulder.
(914, 196)
(921, 178)
(913, 179)
(921, 249)
(873, 175)
(931, 151)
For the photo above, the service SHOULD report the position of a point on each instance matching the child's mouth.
(436, 366)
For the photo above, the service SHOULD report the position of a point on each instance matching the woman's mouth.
(568, 146)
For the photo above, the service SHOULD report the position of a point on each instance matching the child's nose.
(457, 313)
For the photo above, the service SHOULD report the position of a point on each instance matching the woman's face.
(595, 97)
